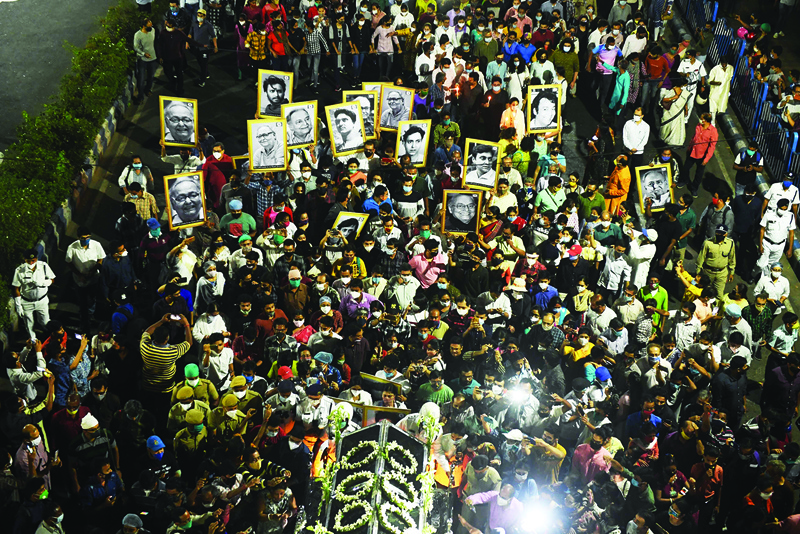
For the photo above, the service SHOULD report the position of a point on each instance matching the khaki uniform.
(176, 419)
(717, 260)
(189, 445)
(203, 391)
(224, 426)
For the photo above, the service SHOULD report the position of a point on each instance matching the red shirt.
(67, 427)
(657, 68)
(703, 143)
(706, 487)
(215, 172)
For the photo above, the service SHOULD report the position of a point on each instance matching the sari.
(490, 230)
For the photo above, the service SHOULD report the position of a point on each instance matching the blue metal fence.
(697, 12)
(748, 95)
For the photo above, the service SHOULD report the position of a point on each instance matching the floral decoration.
(358, 523)
(386, 509)
(344, 461)
(411, 468)
(344, 491)
(407, 496)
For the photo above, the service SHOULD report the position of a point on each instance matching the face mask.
(293, 445)
(567, 48)
(294, 283)
(462, 312)
(582, 341)
(503, 502)
(326, 333)
(193, 382)
(345, 280)
(605, 224)
(232, 413)
(765, 496)
(218, 155)
(99, 396)
(786, 184)
(156, 232)
(325, 309)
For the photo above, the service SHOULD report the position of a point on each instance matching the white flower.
(389, 508)
(411, 468)
(402, 493)
(344, 461)
(344, 491)
(358, 523)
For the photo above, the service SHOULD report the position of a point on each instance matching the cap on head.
(154, 443)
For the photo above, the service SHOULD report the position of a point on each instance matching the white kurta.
(718, 94)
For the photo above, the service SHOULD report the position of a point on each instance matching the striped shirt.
(158, 364)
(257, 46)
(315, 41)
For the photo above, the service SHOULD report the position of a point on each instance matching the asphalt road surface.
(32, 55)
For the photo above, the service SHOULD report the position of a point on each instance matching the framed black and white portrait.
(346, 128)
(482, 161)
(655, 183)
(301, 123)
(350, 224)
(266, 144)
(178, 121)
(413, 138)
(396, 105)
(544, 108)
(462, 210)
(186, 200)
(368, 100)
(373, 86)
(274, 90)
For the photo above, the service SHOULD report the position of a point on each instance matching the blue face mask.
(156, 232)
(266, 182)
(512, 218)
(158, 455)
(85, 242)
(407, 188)
(441, 285)
(296, 150)
(137, 165)
(376, 280)
(248, 379)
(787, 183)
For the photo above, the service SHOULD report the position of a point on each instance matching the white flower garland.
(383, 517)
(358, 523)
(398, 498)
(343, 489)
(344, 461)
(404, 469)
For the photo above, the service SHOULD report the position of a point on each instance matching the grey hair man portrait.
(179, 122)
(269, 151)
(300, 126)
(186, 200)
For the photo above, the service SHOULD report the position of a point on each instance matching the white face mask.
(293, 445)
(355, 294)
(377, 314)
(462, 311)
(361, 22)
(232, 413)
(775, 274)
(497, 390)
(326, 333)
(345, 280)
(605, 224)
(543, 285)
(272, 433)
(240, 394)
(36, 442)
(299, 323)
(325, 309)
(369, 248)
(582, 341)
(637, 118)
(193, 382)
(218, 155)
(186, 406)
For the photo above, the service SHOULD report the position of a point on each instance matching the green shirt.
(521, 161)
(438, 132)
(661, 297)
(688, 219)
(245, 224)
(597, 201)
(426, 393)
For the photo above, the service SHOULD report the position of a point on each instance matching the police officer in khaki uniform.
(176, 419)
(191, 442)
(30, 283)
(718, 259)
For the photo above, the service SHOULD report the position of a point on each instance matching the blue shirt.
(119, 321)
(370, 204)
(444, 155)
(60, 370)
(633, 425)
(526, 52)
(543, 298)
(93, 493)
(509, 51)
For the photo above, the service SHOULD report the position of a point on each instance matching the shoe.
(695, 194)
(679, 185)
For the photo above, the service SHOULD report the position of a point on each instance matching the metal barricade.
(696, 13)
(774, 141)
(794, 155)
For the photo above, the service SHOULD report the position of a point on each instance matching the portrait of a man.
(654, 183)
(274, 90)
(412, 140)
(461, 211)
(350, 224)
(300, 124)
(185, 199)
(481, 164)
(344, 122)
(179, 118)
(367, 100)
(544, 108)
(266, 144)
(395, 106)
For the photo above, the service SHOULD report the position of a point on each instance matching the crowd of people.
(587, 360)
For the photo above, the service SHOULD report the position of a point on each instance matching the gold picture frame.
(403, 129)
(352, 145)
(543, 92)
(260, 161)
(237, 161)
(456, 226)
(654, 179)
(267, 109)
(181, 207)
(370, 131)
(473, 180)
(387, 122)
(344, 218)
(287, 110)
(175, 130)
